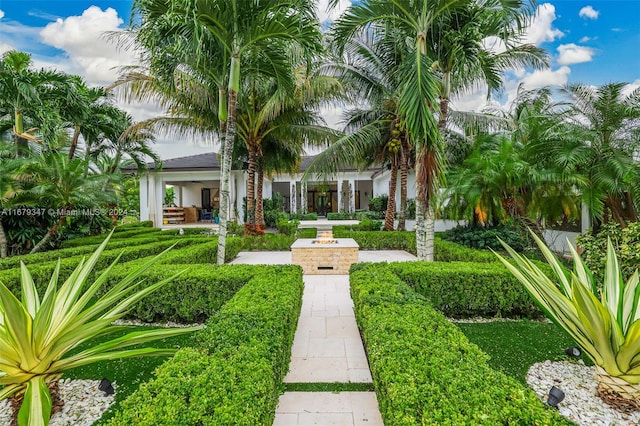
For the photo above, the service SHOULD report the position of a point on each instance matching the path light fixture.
(106, 387)
(555, 397)
(573, 352)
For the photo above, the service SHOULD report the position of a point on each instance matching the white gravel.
(581, 404)
(83, 404)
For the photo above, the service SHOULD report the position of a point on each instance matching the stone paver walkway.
(327, 348)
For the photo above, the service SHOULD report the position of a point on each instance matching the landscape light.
(573, 352)
(106, 387)
(555, 397)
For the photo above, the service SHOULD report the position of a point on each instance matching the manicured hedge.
(192, 297)
(445, 251)
(41, 272)
(339, 216)
(234, 375)
(54, 255)
(129, 233)
(464, 289)
(425, 371)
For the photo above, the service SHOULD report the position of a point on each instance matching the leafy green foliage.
(339, 216)
(483, 238)
(287, 227)
(234, 374)
(418, 359)
(379, 204)
(626, 244)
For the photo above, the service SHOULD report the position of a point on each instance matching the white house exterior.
(196, 182)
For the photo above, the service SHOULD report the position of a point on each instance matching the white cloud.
(549, 77)
(588, 12)
(473, 101)
(573, 54)
(326, 16)
(631, 87)
(1, 13)
(585, 39)
(82, 38)
(541, 29)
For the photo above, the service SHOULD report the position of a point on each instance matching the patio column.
(180, 196)
(292, 201)
(144, 198)
(153, 210)
(339, 187)
(352, 197)
(303, 197)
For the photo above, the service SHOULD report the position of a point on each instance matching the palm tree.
(417, 95)
(9, 168)
(64, 185)
(603, 146)
(374, 134)
(235, 32)
(286, 118)
(25, 91)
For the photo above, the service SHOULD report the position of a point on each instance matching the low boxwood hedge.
(464, 289)
(54, 255)
(424, 369)
(234, 375)
(41, 272)
(128, 233)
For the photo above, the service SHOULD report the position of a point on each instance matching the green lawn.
(128, 374)
(516, 345)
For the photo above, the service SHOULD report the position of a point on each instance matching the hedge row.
(135, 232)
(464, 289)
(42, 272)
(445, 251)
(54, 255)
(425, 370)
(234, 375)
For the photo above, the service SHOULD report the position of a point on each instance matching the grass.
(514, 346)
(329, 387)
(127, 374)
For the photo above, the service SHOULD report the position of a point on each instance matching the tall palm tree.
(375, 133)
(286, 118)
(237, 32)
(417, 95)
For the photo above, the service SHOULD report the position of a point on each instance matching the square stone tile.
(285, 419)
(318, 370)
(325, 419)
(326, 347)
(344, 327)
(360, 375)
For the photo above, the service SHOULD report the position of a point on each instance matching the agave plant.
(603, 319)
(37, 334)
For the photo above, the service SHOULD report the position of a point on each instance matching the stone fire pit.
(324, 255)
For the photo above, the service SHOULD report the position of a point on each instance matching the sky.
(589, 42)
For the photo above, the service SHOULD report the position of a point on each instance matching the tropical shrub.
(424, 369)
(304, 216)
(484, 238)
(379, 204)
(339, 216)
(287, 227)
(602, 317)
(36, 333)
(626, 244)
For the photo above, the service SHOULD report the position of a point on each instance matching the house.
(196, 182)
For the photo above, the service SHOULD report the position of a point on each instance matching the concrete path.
(327, 348)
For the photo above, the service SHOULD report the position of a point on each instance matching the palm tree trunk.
(227, 151)
(21, 143)
(390, 214)
(3, 241)
(251, 188)
(42, 244)
(74, 142)
(404, 165)
(259, 187)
